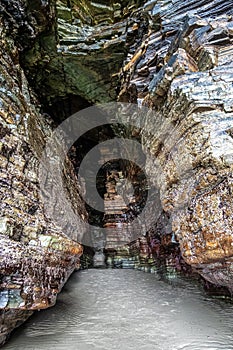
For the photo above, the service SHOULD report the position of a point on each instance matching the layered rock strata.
(37, 256)
(174, 57)
(82, 49)
(184, 73)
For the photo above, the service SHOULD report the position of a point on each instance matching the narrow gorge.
(116, 140)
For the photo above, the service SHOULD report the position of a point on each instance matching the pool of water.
(128, 309)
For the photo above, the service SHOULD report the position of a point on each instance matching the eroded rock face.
(174, 57)
(185, 74)
(37, 256)
(81, 49)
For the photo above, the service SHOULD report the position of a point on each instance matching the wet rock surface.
(81, 50)
(174, 57)
(37, 257)
(185, 74)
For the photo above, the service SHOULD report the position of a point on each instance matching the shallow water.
(128, 309)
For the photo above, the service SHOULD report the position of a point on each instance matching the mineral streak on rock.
(185, 74)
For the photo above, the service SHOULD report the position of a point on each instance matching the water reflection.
(128, 309)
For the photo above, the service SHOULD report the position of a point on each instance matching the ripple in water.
(127, 309)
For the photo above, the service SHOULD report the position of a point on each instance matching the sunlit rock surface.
(36, 256)
(184, 72)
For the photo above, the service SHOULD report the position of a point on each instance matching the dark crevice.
(62, 108)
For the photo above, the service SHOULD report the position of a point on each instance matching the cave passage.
(122, 233)
(122, 185)
(164, 207)
(128, 309)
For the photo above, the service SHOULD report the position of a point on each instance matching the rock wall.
(37, 256)
(174, 57)
(183, 71)
(81, 51)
